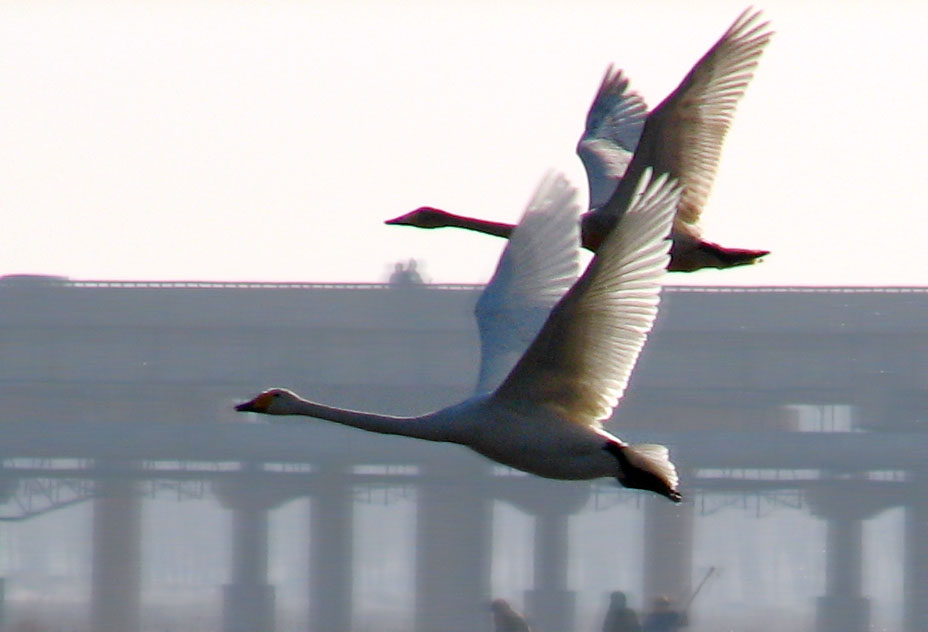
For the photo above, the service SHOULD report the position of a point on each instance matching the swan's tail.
(721, 257)
(648, 466)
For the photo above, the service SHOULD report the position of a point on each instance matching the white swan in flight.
(682, 137)
(546, 416)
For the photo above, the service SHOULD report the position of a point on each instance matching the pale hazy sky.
(269, 140)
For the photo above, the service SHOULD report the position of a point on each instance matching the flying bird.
(681, 137)
(545, 418)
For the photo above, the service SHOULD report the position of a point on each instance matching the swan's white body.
(527, 437)
(546, 416)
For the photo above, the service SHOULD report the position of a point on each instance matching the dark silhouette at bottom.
(506, 619)
(619, 617)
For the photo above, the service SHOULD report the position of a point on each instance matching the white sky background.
(269, 140)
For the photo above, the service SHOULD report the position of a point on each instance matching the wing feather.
(540, 263)
(692, 122)
(580, 363)
(613, 126)
(683, 136)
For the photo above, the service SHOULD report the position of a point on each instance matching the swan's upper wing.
(683, 136)
(613, 126)
(580, 363)
(691, 123)
(540, 262)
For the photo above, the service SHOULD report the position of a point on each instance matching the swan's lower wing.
(540, 262)
(613, 126)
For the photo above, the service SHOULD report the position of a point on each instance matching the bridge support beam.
(915, 581)
(549, 602)
(843, 608)
(8, 486)
(455, 537)
(668, 549)
(331, 552)
(844, 506)
(248, 601)
(116, 573)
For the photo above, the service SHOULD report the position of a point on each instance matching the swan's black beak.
(247, 407)
(395, 221)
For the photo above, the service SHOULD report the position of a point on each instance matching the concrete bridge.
(122, 382)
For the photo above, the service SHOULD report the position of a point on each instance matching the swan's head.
(276, 401)
(422, 217)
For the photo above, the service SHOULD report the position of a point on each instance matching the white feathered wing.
(580, 363)
(540, 263)
(613, 126)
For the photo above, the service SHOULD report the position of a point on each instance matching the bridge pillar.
(248, 600)
(668, 549)
(8, 485)
(116, 573)
(331, 551)
(844, 505)
(549, 604)
(915, 580)
(454, 530)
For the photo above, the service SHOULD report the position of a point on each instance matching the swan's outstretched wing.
(540, 263)
(683, 136)
(579, 364)
(613, 126)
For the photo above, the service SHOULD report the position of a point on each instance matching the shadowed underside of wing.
(580, 363)
(540, 262)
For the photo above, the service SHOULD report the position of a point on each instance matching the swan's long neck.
(426, 427)
(497, 229)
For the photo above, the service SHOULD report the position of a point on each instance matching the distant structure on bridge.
(819, 395)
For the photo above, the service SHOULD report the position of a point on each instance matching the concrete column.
(248, 601)
(844, 505)
(8, 486)
(550, 604)
(454, 533)
(331, 554)
(116, 574)
(915, 581)
(668, 549)
(843, 608)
